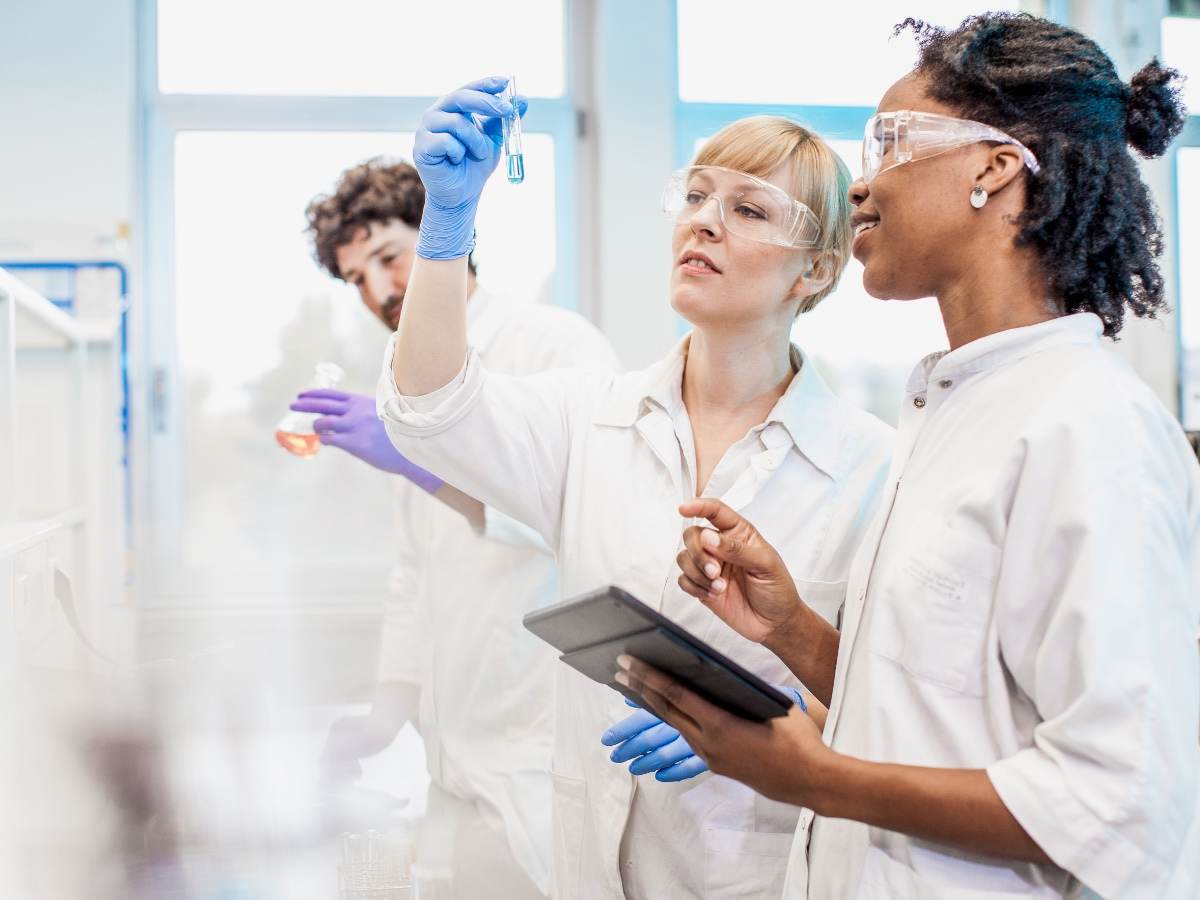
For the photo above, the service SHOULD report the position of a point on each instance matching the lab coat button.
(945, 384)
(919, 402)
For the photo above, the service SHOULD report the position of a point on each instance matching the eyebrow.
(745, 182)
(351, 274)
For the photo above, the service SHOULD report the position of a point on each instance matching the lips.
(862, 226)
(698, 262)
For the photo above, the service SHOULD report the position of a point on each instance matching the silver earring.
(978, 196)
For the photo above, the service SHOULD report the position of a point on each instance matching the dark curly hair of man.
(376, 192)
(1088, 213)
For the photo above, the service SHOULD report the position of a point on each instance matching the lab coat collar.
(660, 383)
(1004, 347)
(808, 412)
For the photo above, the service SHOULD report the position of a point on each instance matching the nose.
(859, 192)
(377, 285)
(709, 217)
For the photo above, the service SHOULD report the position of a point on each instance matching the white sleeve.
(1097, 609)
(402, 638)
(565, 340)
(507, 530)
(504, 440)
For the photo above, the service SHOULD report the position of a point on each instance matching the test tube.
(514, 155)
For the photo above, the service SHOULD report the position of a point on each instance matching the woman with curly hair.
(1013, 696)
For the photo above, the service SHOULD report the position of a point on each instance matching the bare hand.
(783, 758)
(734, 572)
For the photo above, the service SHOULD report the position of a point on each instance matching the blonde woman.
(600, 464)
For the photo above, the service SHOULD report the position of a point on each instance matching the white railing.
(61, 516)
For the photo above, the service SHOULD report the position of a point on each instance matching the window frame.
(1183, 306)
(1186, 306)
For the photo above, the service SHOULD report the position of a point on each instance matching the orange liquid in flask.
(303, 445)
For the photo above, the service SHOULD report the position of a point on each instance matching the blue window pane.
(1189, 282)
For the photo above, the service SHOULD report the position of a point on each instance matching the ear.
(817, 275)
(1002, 165)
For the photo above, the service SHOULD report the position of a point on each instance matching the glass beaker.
(376, 866)
(295, 433)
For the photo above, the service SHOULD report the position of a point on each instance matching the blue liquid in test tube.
(510, 126)
(516, 167)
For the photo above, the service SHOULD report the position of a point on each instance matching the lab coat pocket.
(744, 864)
(935, 606)
(927, 873)
(569, 822)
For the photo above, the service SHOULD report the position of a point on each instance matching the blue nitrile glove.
(456, 150)
(349, 422)
(654, 746)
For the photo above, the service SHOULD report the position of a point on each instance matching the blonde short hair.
(760, 145)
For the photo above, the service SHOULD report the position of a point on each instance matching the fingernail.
(624, 660)
(622, 679)
(712, 570)
(718, 585)
(710, 539)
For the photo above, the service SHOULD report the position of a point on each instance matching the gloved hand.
(349, 422)
(654, 746)
(456, 149)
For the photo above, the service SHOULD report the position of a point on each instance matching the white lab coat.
(598, 465)
(1028, 603)
(452, 622)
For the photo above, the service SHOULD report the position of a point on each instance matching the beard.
(389, 313)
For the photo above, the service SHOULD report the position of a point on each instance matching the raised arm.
(456, 150)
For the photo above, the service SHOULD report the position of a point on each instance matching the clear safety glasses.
(895, 138)
(748, 206)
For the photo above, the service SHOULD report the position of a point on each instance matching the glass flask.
(295, 433)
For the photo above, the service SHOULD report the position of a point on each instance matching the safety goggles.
(748, 206)
(894, 138)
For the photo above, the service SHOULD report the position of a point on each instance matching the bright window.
(800, 53)
(1181, 49)
(254, 313)
(356, 47)
(242, 256)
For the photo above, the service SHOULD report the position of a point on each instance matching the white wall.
(67, 107)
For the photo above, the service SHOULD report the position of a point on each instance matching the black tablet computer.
(596, 628)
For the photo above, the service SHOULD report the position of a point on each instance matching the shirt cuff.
(428, 413)
(1034, 790)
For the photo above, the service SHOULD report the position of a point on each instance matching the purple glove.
(348, 421)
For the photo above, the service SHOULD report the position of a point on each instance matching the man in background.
(454, 658)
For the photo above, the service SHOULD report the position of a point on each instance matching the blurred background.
(186, 608)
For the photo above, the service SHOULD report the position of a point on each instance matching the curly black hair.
(374, 192)
(1088, 213)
